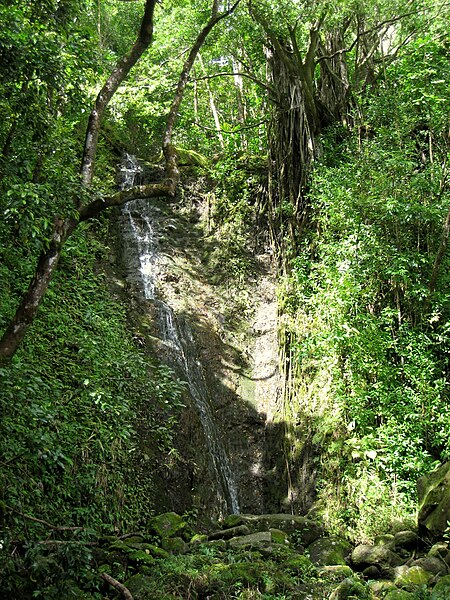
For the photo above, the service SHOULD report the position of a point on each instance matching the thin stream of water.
(176, 332)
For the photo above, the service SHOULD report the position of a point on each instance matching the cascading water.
(140, 218)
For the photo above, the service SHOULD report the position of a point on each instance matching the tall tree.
(64, 226)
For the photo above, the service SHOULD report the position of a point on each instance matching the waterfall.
(140, 218)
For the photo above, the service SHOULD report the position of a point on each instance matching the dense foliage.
(361, 236)
(367, 328)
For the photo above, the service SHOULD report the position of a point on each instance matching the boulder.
(387, 539)
(279, 537)
(198, 539)
(305, 530)
(351, 588)
(440, 550)
(261, 538)
(364, 555)
(232, 521)
(174, 545)
(434, 503)
(381, 586)
(431, 564)
(398, 595)
(167, 525)
(372, 572)
(227, 534)
(328, 551)
(406, 539)
(336, 571)
(412, 577)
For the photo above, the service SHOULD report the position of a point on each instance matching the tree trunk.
(49, 258)
(212, 104)
(291, 152)
(118, 74)
(25, 314)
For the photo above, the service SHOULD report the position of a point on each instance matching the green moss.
(167, 524)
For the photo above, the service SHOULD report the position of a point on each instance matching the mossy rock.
(134, 539)
(431, 564)
(441, 590)
(231, 532)
(413, 577)
(365, 555)
(381, 586)
(351, 589)
(279, 537)
(198, 539)
(329, 551)
(217, 544)
(261, 538)
(174, 545)
(406, 539)
(232, 521)
(299, 564)
(304, 529)
(439, 550)
(167, 525)
(398, 595)
(140, 557)
(141, 587)
(150, 549)
(336, 572)
(386, 539)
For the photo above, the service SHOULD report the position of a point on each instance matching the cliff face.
(220, 336)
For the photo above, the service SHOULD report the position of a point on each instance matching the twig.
(131, 534)
(363, 33)
(231, 132)
(124, 591)
(233, 74)
(42, 522)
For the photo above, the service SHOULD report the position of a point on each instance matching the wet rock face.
(220, 339)
(434, 503)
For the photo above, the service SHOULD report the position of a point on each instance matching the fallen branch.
(124, 591)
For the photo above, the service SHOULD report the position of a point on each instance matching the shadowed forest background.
(302, 145)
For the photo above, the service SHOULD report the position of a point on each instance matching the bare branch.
(363, 33)
(234, 74)
(42, 522)
(124, 591)
(233, 131)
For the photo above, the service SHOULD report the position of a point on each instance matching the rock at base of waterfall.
(167, 525)
(227, 534)
(261, 538)
(306, 530)
(329, 551)
(351, 588)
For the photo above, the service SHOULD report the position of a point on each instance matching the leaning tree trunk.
(49, 258)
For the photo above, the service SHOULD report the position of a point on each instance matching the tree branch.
(124, 591)
(363, 33)
(234, 74)
(42, 522)
(110, 87)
